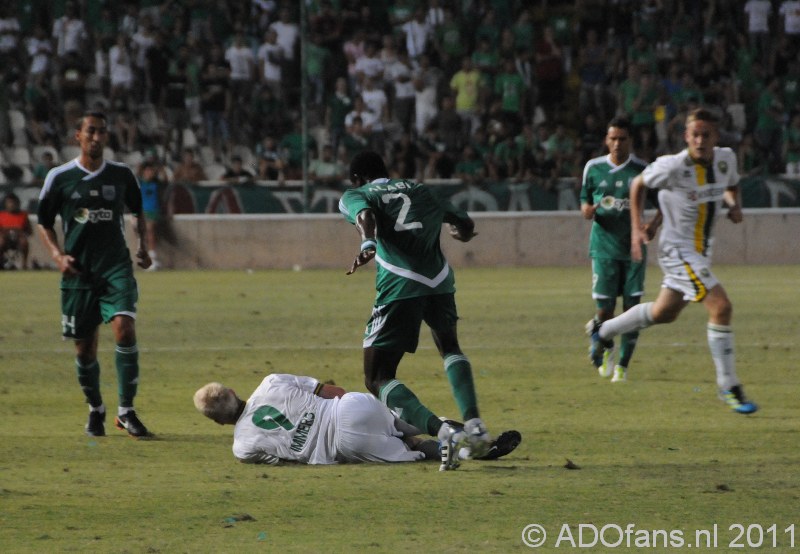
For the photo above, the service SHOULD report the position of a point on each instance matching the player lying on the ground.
(300, 419)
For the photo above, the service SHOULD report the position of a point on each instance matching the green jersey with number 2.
(409, 216)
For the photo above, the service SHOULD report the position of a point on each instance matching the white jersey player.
(691, 194)
(299, 419)
(693, 186)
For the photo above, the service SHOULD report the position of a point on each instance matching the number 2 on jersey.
(400, 224)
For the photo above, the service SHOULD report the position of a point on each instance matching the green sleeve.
(353, 201)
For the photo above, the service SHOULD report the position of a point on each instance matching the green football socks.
(627, 346)
(89, 379)
(459, 373)
(399, 398)
(127, 360)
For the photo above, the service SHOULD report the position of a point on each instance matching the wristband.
(369, 243)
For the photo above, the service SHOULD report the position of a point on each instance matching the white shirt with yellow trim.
(690, 195)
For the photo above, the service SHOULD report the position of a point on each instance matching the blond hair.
(702, 114)
(213, 401)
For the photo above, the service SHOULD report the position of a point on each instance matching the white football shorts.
(688, 272)
(366, 432)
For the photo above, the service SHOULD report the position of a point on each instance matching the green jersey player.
(399, 222)
(90, 195)
(605, 199)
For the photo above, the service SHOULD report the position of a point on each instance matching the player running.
(605, 200)
(693, 186)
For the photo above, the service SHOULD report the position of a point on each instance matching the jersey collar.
(91, 174)
(620, 166)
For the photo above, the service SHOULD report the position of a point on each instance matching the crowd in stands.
(478, 90)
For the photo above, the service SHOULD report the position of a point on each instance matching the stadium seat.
(70, 152)
(133, 159)
(27, 174)
(18, 127)
(189, 138)
(738, 115)
(18, 155)
(206, 155)
(37, 152)
(245, 153)
(214, 171)
(149, 123)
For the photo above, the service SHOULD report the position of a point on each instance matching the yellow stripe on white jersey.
(702, 213)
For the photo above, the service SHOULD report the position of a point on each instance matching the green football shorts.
(395, 326)
(612, 278)
(83, 309)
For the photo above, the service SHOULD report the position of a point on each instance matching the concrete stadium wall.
(767, 236)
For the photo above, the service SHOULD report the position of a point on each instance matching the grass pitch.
(659, 452)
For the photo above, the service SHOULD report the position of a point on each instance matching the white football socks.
(720, 342)
(637, 318)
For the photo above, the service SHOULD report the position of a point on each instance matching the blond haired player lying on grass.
(300, 419)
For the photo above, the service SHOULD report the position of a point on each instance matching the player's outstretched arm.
(366, 226)
(460, 228)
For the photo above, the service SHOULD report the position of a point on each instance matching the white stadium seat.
(18, 155)
(70, 152)
(18, 127)
(214, 171)
(38, 153)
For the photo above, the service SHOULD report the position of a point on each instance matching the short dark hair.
(620, 122)
(368, 165)
(92, 113)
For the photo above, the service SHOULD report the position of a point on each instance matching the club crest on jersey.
(723, 167)
(109, 192)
